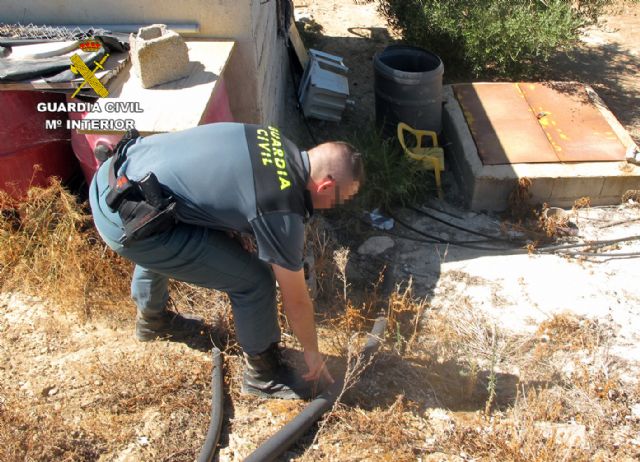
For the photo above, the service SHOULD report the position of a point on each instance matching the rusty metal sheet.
(576, 129)
(503, 125)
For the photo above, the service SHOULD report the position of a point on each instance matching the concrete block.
(541, 190)
(491, 194)
(560, 184)
(158, 55)
(618, 185)
(574, 188)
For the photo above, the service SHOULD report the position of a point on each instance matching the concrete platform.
(489, 174)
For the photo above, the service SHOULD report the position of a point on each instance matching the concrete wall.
(254, 73)
(217, 18)
(271, 61)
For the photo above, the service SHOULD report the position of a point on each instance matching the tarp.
(57, 68)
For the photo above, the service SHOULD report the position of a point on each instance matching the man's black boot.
(168, 325)
(267, 375)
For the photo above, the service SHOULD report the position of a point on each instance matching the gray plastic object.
(324, 89)
(408, 88)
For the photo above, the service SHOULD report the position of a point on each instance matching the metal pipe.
(290, 433)
(217, 403)
(181, 28)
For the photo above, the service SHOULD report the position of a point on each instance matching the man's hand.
(247, 243)
(317, 367)
(299, 310)
(245, 240)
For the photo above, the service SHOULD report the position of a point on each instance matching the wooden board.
(174, 105)
(298, 45)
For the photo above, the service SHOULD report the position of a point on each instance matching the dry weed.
(212, 305)
(632, 195)
(356, 366)
(404, 315)
(341, 259)
(552, 225)
(518, 203)
(567, 332)
(459, 331)
(582, 203)
(49, 248)
(509, 441)
(322, 244)
(157, 392)
(383, 434)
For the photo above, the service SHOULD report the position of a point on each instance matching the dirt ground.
(488, 356)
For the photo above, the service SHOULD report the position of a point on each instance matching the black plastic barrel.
(408, 88)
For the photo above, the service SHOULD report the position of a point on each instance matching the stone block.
(158, 55)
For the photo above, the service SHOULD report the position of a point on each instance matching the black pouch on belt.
(142, 207)
(152, 215)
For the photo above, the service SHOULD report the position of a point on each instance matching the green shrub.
(391, 177)
(498, 37)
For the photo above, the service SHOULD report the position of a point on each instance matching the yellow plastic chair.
(431, 158)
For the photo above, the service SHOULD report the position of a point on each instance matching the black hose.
(290, 433)
(455, 243)
(466, 230)
(208, 450)
(611, 255)
(600, 243)
(512, 251)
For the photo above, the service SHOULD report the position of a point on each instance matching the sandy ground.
(521, 291)
(76, 381)
(529, 288)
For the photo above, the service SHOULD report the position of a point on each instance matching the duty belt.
(143, 207)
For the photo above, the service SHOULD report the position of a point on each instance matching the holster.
(142, 205)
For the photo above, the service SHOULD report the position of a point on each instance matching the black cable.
(446, 241)
(601, 243)
(558, 249)
(445, 212)
(466, 230)
(595, 254)
(290, 433)
(417, 239)
(427, 241)
(217, 403)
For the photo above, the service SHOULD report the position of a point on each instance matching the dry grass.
(632, 195)
(48, 247)
(103, 410)
(449, 384)
(569, 333)
(507, 400)
(321, 243)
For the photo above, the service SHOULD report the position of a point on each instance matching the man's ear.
(327, 183)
